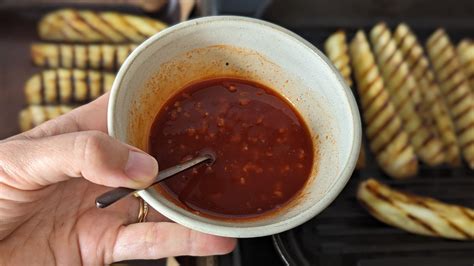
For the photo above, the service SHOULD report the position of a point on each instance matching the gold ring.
(142, 211)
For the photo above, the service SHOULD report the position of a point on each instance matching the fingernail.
(141, 167)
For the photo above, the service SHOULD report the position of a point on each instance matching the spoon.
(116, 194)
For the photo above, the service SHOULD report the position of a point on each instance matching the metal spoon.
(116, 194)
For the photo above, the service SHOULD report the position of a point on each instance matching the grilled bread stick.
(388, 140)
(432, 100)
(64, 86)
(465, 51)
(90, 26)
(403, 91)
(415, 214)
(80, 56)
(455, 88)
(338, 52)
(34, 115)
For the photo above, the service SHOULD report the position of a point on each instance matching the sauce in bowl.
(264, 149)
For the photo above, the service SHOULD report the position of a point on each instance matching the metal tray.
(345, 234)
(18, 31)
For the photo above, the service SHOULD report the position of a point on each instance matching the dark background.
(343, 234)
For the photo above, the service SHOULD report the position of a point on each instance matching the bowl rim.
(247, 231)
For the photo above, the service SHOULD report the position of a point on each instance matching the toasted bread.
(416, 214)
(388, 140)
(432, 101)
(455, 88)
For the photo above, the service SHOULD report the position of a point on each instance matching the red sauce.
(264, 149)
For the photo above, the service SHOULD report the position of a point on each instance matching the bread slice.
(81, 56)
(89, 26)
(66, 86)
(34, 115)
(432, 101)
(336, 49)
(416, 214)
(465, 50)
(402, 87)
(338, 52)
(455, 88)
(388, 140)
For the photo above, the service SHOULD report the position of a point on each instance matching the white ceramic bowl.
(252, 49)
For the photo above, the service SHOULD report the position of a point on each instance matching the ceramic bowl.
(250, 49)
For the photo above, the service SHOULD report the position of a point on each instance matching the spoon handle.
(116, 194)
(112, 196)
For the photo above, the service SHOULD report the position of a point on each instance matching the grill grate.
(345, 234)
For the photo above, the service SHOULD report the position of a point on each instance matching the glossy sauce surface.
(264, 149)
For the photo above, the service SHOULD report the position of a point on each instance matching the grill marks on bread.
(388, 140)
(407, 99)
(415, 214)
(455, 89)
(90, 26)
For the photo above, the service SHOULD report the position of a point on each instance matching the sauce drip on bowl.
(264, 149)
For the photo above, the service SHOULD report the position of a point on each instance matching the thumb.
(35, 163)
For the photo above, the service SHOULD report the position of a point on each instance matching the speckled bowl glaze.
(251, 49)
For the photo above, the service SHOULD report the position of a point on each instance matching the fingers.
(159, 240)
(35, 163)
(130, 207)
(92, 116)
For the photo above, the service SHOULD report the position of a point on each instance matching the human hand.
(49, 178)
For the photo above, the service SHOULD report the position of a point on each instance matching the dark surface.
(18, 31)
(344, 233)
(258, 251)
(344, 226)
(347, 13)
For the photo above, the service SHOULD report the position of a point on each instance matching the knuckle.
(89, 144)
(154, 234)
(9, 163)
(96, 135)
(3, 160)
(3, 153)
(7, 150)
